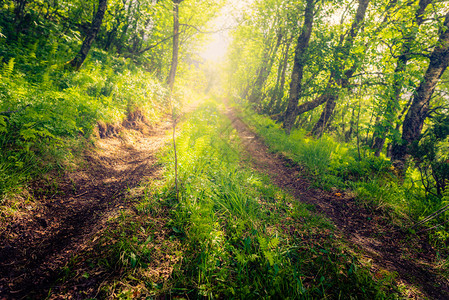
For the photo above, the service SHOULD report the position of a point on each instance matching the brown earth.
(35, 245)
(383, 244)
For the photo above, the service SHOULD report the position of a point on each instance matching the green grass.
(335, 165)
(237, 235)
(373, 180)
(44, 115)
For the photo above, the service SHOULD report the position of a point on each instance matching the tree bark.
(419, 108)
(78, 60)
(341, 80)
(393, 100)
(348, 134)
(298, 66)
(19, 8)
(277, 92)
(264, 71)
(174, 60)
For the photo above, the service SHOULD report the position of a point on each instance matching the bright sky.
(216, 49)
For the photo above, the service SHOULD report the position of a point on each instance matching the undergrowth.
(43, 115)
(237, 236)
(374, 180)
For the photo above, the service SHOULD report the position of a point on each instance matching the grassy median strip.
(232, 234)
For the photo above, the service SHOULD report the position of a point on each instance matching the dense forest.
(138, 160)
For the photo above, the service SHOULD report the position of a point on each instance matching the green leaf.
(29, 134)
(133, 259)
(269, 256)
(273, 243)
(3, 124)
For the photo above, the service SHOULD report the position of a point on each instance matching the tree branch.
(205, 32)
(10, 112)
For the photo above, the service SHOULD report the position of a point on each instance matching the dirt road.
(382, 243)
(35, 246)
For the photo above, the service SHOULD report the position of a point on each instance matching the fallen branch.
(438, 225)
(432, 216)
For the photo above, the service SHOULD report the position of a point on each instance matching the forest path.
(36, 246)
(369, 233)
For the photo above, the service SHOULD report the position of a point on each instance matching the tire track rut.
(34, 249)
(377, 238)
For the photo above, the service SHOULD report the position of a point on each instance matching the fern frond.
(8, 68)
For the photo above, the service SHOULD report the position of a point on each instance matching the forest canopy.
(330, 66)
(352, 94)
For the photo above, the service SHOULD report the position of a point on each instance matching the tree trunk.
(277, 92)
(19, 8)
(419, 108)
(280, 91)
(174, 60)
(341, 53)
(265, 55)
(78, 60)
(320, 125)
(264, 72)
(393, 100)
(348, 134)
(298, 66)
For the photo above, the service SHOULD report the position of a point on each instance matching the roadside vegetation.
(376, 183)
(334, 165)
(355, 93)
(231, 233)
(48, 119)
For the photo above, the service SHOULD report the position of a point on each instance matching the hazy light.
(216, 49)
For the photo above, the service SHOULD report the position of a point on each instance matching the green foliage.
(431, 155)
(373, 179)
(335, 165)
(38, 119)
(8, 68)
(245, 238)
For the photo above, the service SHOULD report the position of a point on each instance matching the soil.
(368, 231)
(36, 245)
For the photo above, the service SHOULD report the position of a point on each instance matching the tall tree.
(298, 65)
(78, 60)
(330, 87)
(274, 106)
(174, 61)
(420, 106)
(339, 76)
(265, 69)
(19, 9)
(393, 96)
(338, 80)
